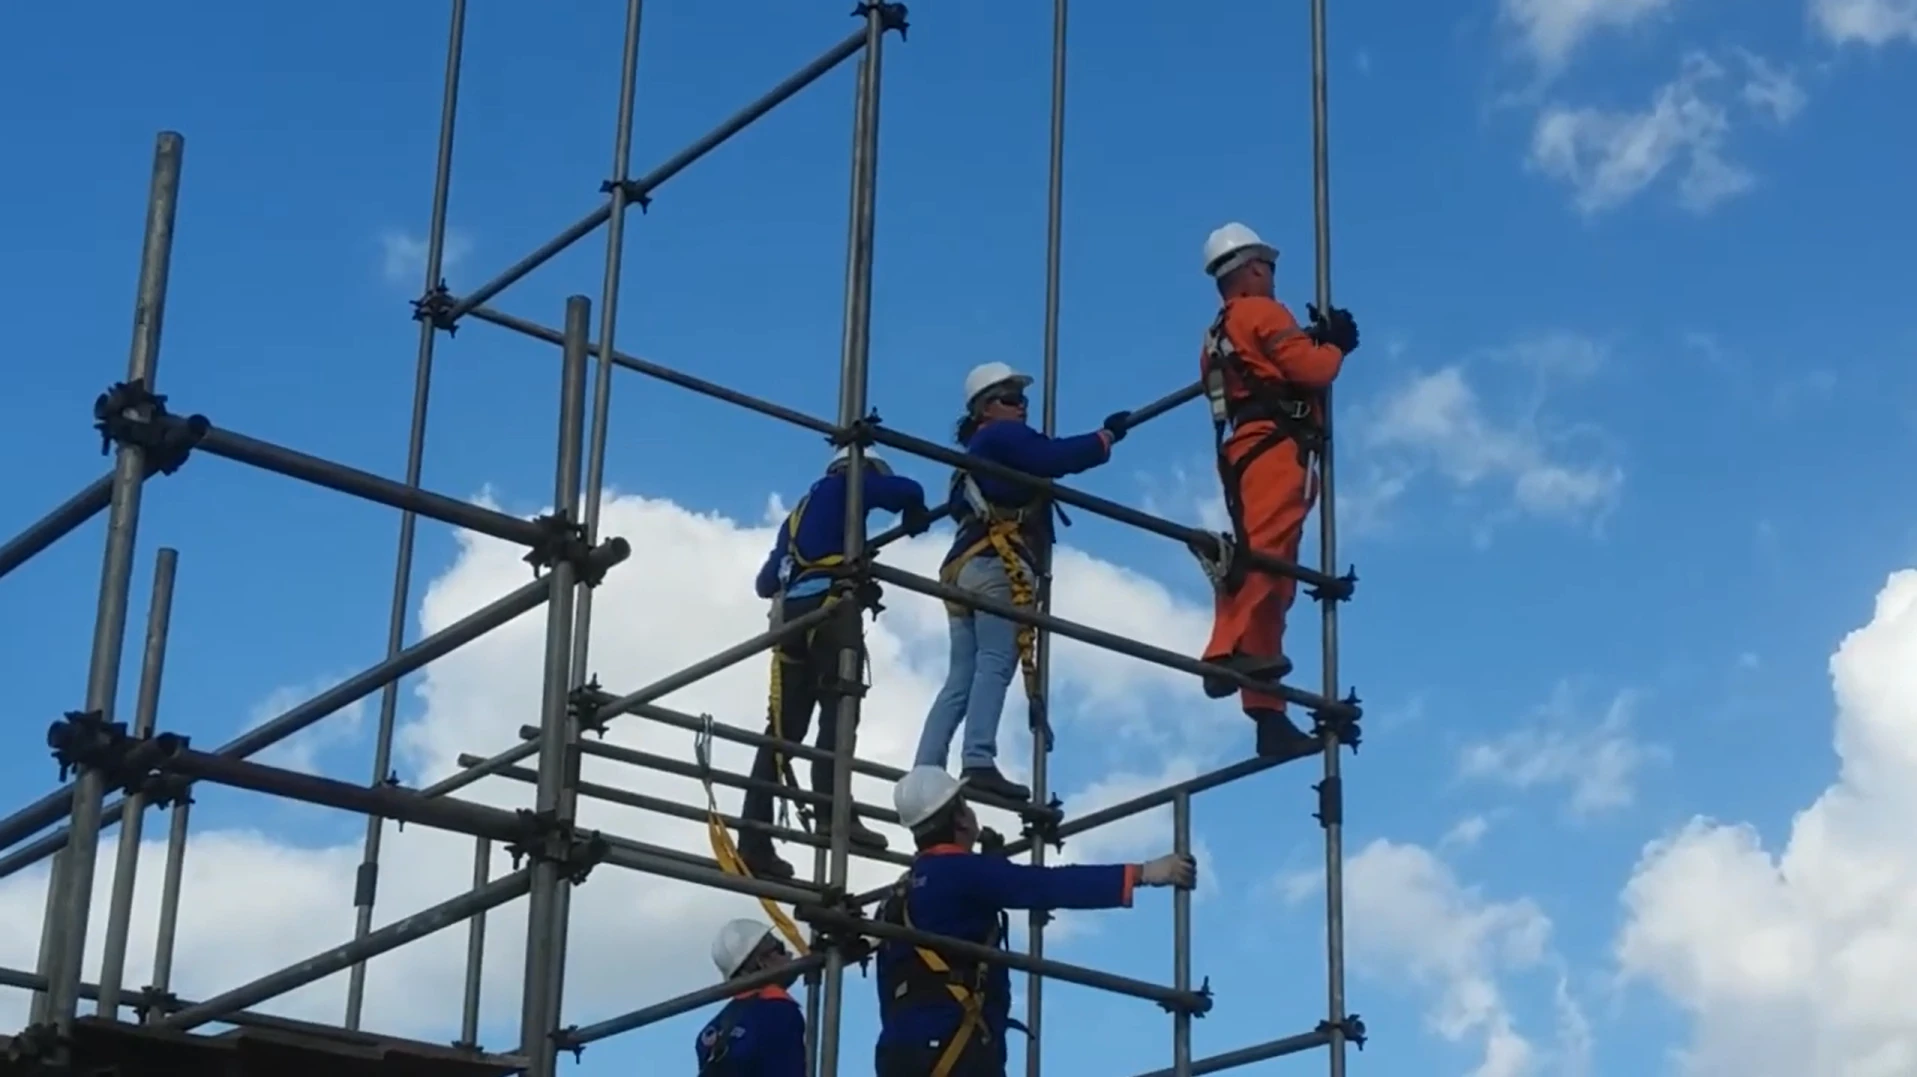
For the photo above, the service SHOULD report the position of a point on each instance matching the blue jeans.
(984, 660)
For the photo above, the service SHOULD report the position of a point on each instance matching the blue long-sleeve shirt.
(960, 895)
(821, 529)
(1018, 446)
(767, 1037)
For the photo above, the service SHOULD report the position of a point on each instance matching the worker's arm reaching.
(767, 583)
(1003, 884)
(893, 493)
(1022, 448)
(1282, 350)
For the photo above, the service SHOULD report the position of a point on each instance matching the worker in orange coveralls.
(1264, 376)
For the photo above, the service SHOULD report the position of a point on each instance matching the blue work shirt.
(1014, 444)
(960, 895)
(821, 530)
(767, 1037)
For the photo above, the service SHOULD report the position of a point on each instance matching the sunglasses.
(1011, 398)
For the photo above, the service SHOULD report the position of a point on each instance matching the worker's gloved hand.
(1334, 326)
(917, 520)
(1116, 424)
(1170, 870)
(991, 842)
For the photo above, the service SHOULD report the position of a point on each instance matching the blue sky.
(1616, 456)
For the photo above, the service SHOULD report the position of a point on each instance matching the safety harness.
(1238, 396)
(719, 1049)
(1007, 532)
(932, 979)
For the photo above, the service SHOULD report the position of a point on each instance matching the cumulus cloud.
(1609, 156)
(1866, 22)
(1551, 30)
(1437, 422)
(1413, 922)
(1797, 961)
(255, 902)
(403, 255)
(1598, 761)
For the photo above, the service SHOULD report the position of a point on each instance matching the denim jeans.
(984, 661)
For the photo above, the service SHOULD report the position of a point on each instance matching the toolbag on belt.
(1238, 397)
(929, 978)
(1012, 534)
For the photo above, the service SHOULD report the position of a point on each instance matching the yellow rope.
(727, 853)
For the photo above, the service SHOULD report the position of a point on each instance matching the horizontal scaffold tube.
(55, 525)
(733, 780)
(789, 892)
(1189, 1001)
(1245, 1056)
(1098, 638)
(705, 996)
(1156, 799)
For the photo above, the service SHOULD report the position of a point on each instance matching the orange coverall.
(1277, 490)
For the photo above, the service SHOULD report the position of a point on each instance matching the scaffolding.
(155, 769)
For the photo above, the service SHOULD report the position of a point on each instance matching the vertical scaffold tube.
(169, 927)
(596, 444)
(1041, 746)
(70, 897)
(1181, 937)
(1333, 789)
(475, 949)
(146, 706)
(854, 353)
(366, 884)
(539, 1016)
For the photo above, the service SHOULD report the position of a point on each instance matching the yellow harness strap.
(971, 1000)
(727, 853)
(998, 537)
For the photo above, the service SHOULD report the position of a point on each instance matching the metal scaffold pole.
(853, 364)
(366, 883)
(126, 410)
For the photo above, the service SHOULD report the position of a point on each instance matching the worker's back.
(946, 898)
(756, 1035)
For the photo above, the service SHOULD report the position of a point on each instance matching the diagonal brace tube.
(1245, 1056)
(393, 935)
(705, 996)
(57, 524)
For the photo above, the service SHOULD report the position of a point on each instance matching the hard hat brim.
(1240, 256)
(1020, 380)
(959, 786)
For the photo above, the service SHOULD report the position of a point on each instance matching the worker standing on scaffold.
(1004, 529)
(1264, 376)
(945, 1016)
(798, 576)
(759, 1033)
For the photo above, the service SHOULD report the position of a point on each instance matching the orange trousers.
(1275, 496)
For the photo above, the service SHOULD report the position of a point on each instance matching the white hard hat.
(922, 792)
(986, 375)
(1233, 245)
(735, 943)
(872, 460)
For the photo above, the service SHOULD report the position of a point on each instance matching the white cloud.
(302, 750)
(1599, 761)
(1553, 29)
(1797, 962)
(1465, 833)
(1436, 422)
(1770, 89)
(1412, 920)
(255, 902)
(1868, 22)
(403, 255)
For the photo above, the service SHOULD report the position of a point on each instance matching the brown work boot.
(1258, 668)
(761, 859)
(1279, 738)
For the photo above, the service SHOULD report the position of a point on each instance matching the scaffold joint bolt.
(564, 541)
(891, 16)
(565, 1037)
(1338, 590)
(584, 702)
(1351, 1027)
(129, 414)
(436, 309)
(636, 195)
(859, 432)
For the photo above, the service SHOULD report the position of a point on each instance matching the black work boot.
(1279, 738)
(989, 781)
(866, 837)
(761, 859)
(1263, 669)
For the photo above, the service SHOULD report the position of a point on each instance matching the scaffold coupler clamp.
(1351, 1026)
(891, 16)
(150, 1001)
(436, 309)
(163, 790)
(1339, 589)
(583, 704)
(1198, 1009)
(1040, 827)
(1342, 720)
(129, 413)
(859, 432)
(563, 541)
(850, 943)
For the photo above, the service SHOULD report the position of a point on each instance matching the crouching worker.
(759, 1033)
(1265, 377)
(947, 1016)
(798, 577)
(1004, 533)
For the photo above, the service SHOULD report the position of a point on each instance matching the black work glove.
(991, 842)
(917, 520)
(1335, 327)
(1116, 424)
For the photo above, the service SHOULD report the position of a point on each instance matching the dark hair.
(941, 829)
(967, 427)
